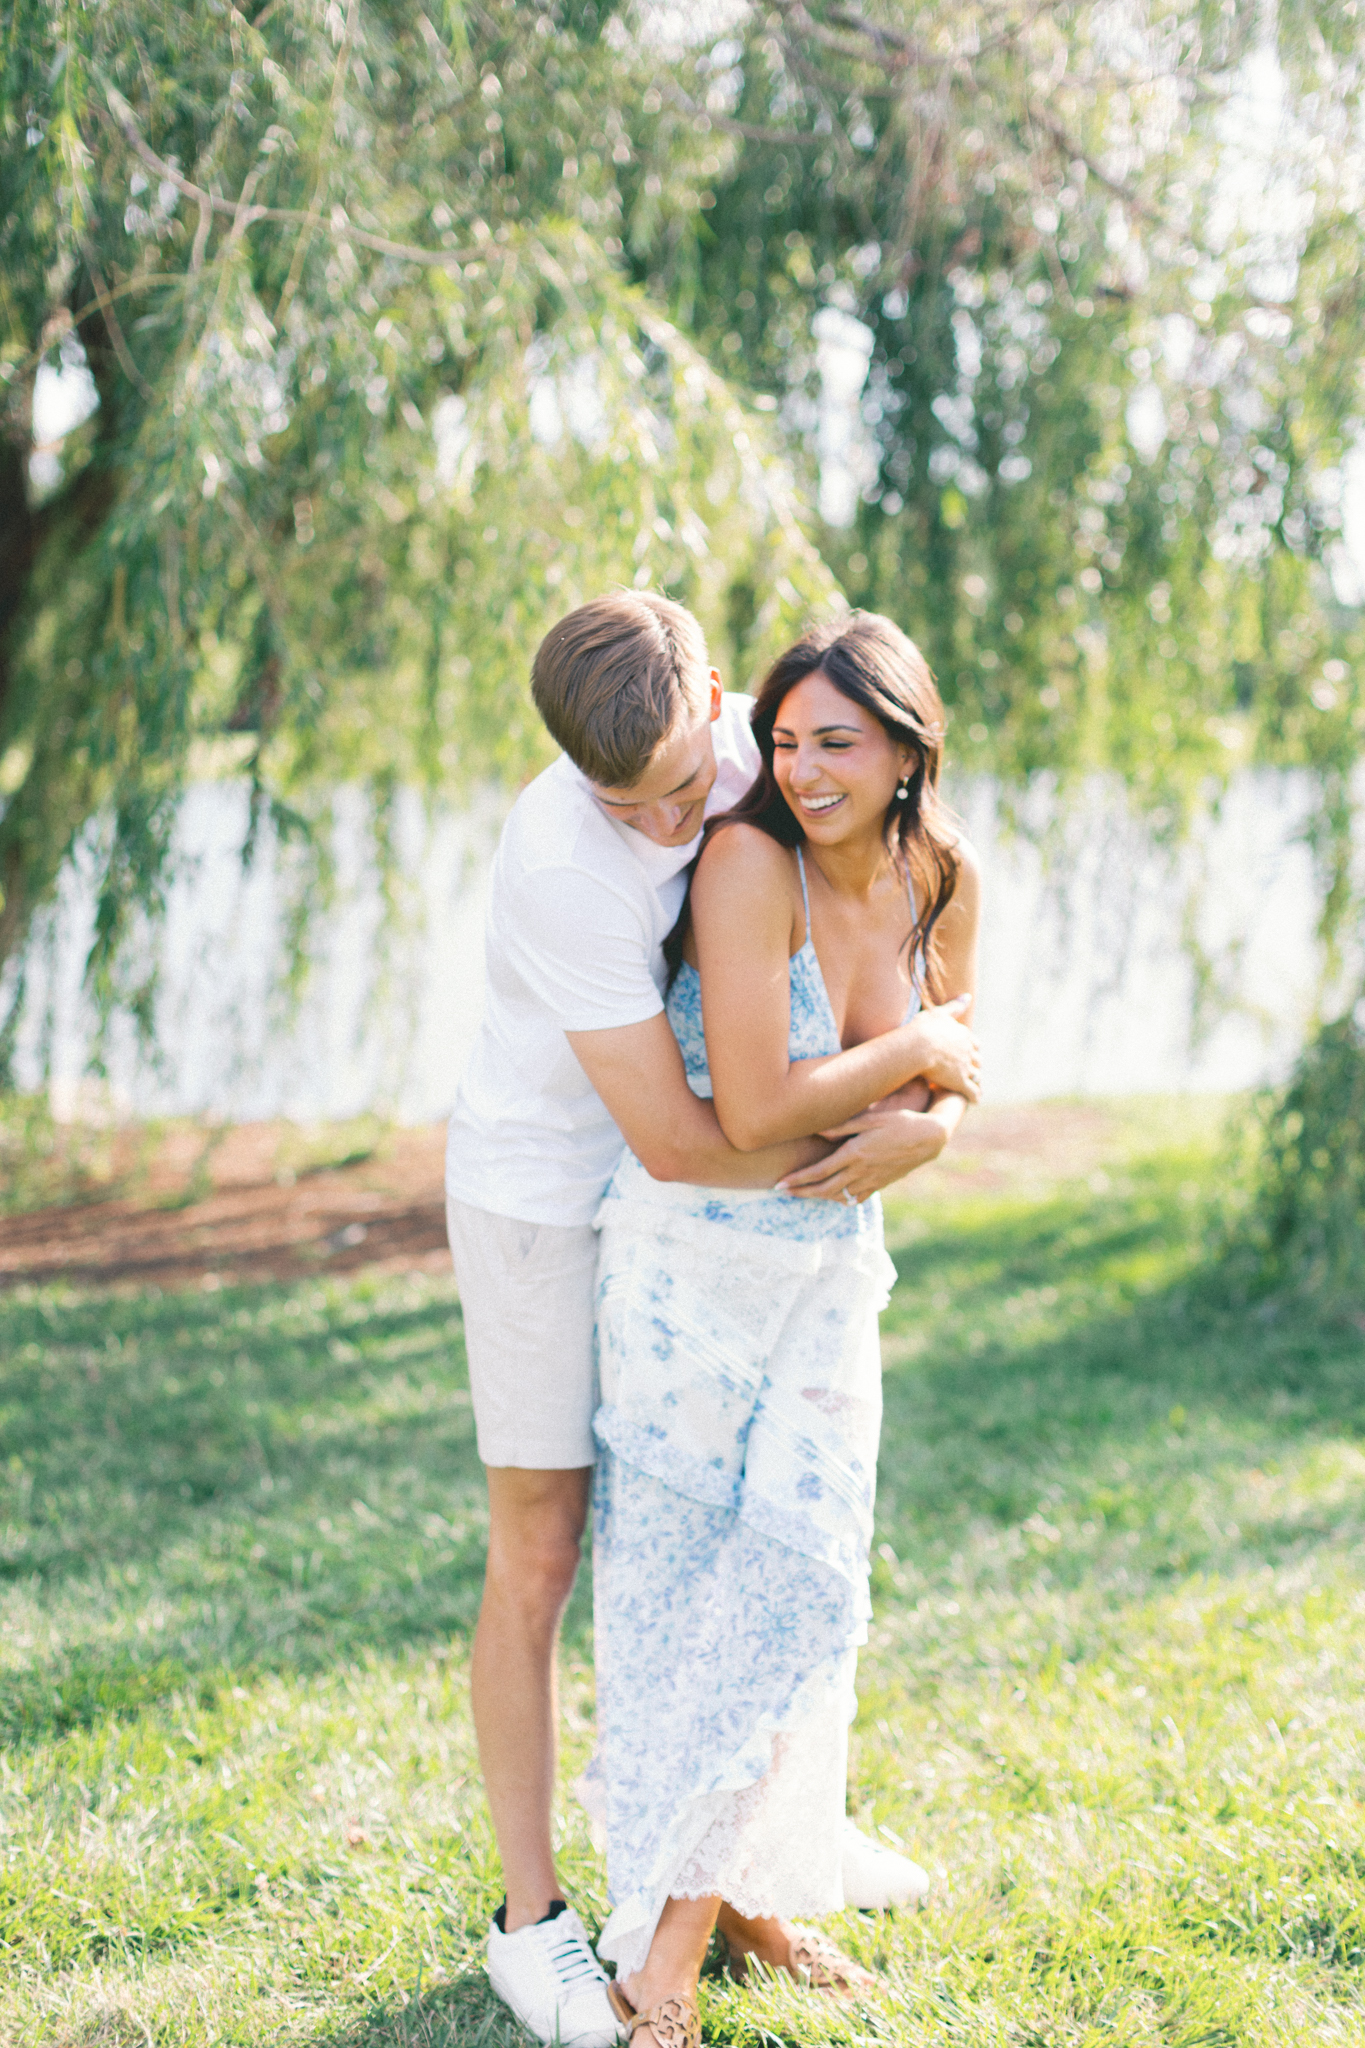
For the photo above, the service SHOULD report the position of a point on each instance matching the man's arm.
(638, 1071)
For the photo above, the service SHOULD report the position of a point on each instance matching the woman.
(741, 1395)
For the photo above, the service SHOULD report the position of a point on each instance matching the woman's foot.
(802, 1952)
(656, 2005)
(672, 2023)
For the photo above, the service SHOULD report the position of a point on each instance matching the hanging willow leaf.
(376, 403)
(1109, 270)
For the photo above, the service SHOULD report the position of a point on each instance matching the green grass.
(43, 1161)
(1113, 1697)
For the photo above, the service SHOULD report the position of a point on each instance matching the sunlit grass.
(43, 1161)
(1113, 1696)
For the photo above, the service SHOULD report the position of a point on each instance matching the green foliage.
(1113, 370)
(324, 268)
(1302, 1231)
(1111, 1696)
(412, 327)
(43, 1162)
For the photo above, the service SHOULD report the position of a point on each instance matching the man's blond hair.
(613, 679)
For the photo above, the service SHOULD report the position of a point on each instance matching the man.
(574, 1055)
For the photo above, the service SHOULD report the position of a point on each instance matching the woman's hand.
(952, 1057)
(916, 1094)
(880, 1147)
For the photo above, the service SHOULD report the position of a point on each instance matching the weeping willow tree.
(411, 324)
(375, 402)
(1107, 268)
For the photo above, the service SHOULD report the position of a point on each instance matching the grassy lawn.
(1113, 1697)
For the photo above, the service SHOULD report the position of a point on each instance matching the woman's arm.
(889, 1141)
(958, 965)
(957, 936)
(742, 921)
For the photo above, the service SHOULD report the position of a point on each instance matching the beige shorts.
(527, 1291)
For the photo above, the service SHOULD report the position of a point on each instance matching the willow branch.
(891, 49)
(111, 326)
(201, 236)
(305, 235)
(1075, 154)
(916, 53)
(246, 214)
(437, 51)
(898, 52)
(885, 40)
(750, 130)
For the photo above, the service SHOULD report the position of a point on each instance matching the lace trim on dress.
(756, 1833)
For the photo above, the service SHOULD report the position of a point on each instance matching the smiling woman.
(872, 681)
(829, 755)
(737, 1331)
(849, 727)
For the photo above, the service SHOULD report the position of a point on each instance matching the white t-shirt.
(579, 907)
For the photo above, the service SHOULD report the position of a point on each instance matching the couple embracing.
(721, 932)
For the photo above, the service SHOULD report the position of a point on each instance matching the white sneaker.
(553, 1982)
(876, 1877)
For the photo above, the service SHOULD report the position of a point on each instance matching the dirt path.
(217, 1210)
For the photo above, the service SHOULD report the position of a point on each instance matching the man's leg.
(526, 1295)
(535, 1523)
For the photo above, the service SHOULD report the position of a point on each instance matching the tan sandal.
(815, 1961)
(675, 2021)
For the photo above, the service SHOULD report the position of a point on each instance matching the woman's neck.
(854, 867)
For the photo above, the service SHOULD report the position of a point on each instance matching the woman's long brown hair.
(871, 662)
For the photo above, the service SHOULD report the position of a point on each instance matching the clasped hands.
(903, 1130)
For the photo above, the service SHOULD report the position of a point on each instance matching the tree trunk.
(18, 547)
(35, 828)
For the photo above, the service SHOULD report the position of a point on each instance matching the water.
(1089, 975)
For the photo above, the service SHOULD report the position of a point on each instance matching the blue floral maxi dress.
(740, 1412)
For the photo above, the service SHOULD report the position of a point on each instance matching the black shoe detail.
(557, 1906)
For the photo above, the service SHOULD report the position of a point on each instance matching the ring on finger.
(846, 1195)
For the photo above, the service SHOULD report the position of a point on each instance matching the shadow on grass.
(1074, 1354)
(459, 2012)
(194, 1489)
(465, 2013)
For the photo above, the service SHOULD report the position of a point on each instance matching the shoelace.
(573, 1961)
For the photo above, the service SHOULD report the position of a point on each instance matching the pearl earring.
(903, 788)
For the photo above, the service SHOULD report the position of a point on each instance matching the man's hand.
(880, 1147)
(952, 1057)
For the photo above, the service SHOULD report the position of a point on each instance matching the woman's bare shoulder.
(966, 897)
(743, 852)
(745, 882)
(968, 861)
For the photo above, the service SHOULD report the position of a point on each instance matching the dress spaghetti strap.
(805, 896)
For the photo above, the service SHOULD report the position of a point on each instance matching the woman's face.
(834, 763)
